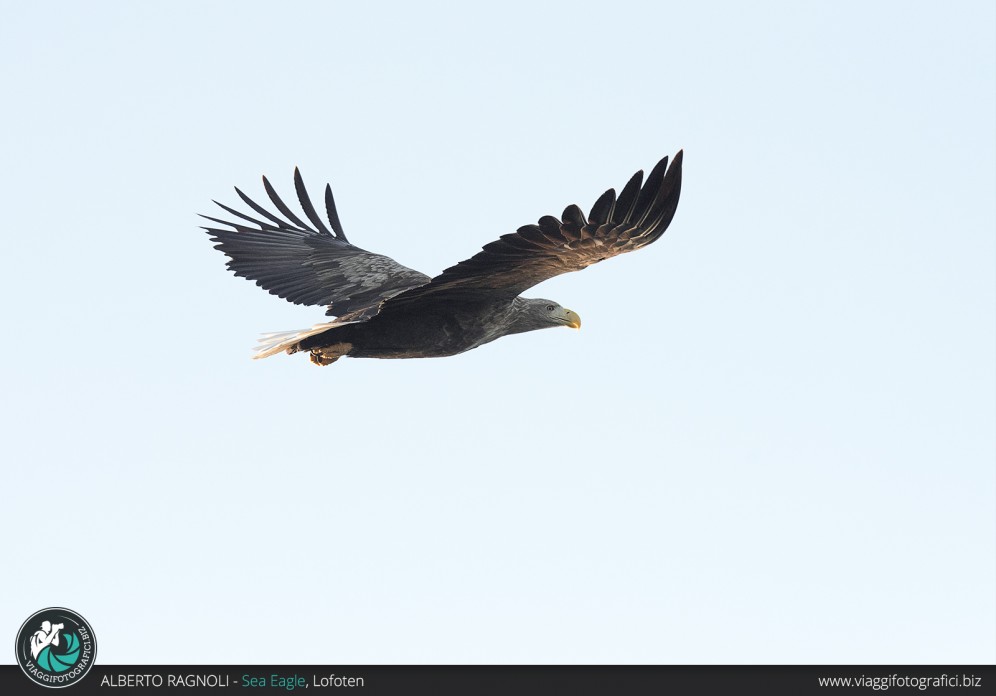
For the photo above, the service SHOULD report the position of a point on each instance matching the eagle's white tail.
(279, 341)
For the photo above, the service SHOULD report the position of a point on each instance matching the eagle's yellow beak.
(573, 320)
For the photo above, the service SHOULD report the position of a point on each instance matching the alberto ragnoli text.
(288, 682)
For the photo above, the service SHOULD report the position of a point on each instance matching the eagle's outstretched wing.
(534, 253)
(309, 265)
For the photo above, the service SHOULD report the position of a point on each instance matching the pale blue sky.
(773, 440)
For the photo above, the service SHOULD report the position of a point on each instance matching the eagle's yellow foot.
(323, 359)
(326, 355)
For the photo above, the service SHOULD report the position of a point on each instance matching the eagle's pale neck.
(527, 315)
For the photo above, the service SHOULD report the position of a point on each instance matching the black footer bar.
(510, 679)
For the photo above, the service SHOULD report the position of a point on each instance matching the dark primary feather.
(305, 201)
(333, 214)
(516, 262)
(309, 265)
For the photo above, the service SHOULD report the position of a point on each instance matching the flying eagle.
(386, 310)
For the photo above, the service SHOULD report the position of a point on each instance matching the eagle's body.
(438, 331)
(386, 310)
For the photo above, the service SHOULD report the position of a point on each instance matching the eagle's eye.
(549, 308)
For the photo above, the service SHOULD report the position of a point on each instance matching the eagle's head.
(545, 314)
